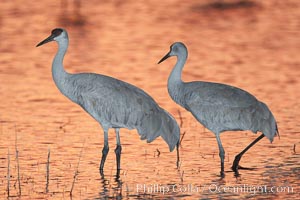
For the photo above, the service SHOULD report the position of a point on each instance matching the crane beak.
(164, 58)
(48, 39)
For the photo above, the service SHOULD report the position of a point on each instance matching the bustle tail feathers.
(267, 123)
(160, 124)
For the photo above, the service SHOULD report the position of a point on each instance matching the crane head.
(176, 49)
(54, 34)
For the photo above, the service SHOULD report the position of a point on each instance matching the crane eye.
(56, 32)
(174, 48)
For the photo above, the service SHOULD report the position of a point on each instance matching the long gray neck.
(60, 76)
(175, 82)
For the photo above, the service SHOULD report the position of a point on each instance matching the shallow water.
(253, 46)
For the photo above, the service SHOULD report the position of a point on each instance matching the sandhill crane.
(112, 102)
(219, 107)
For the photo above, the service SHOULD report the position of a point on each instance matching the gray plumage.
(217, 106)
(117, 104)
(113, 103)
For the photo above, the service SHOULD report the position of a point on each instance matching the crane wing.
(214, 94)
(219, 107)
(115, 103)
(222, 107)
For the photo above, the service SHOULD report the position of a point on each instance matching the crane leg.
(221, 154)
(118, 149)
(235, 166)
(104, 150)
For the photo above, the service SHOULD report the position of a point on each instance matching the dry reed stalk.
(181, 176)
(8, 173)
(76, 171)
(180, 117)
(178, 163)
(180, 140)
(183, 134)
(177, 149)
(18, 164)
(158, 152)
(48, 171)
